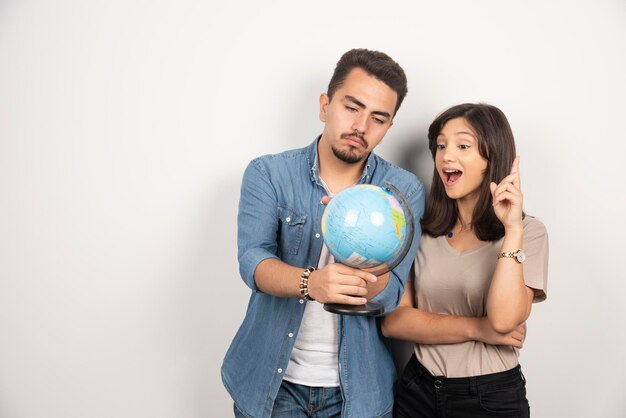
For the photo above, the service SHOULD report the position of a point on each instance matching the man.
(290, 357)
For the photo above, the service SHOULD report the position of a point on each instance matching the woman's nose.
(448, 155)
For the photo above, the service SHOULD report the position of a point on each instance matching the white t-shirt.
(314, 360)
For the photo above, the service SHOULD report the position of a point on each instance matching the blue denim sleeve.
(257, 221)
(391, 294)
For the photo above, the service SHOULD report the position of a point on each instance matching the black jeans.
(419, 394)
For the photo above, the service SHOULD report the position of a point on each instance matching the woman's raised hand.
(508, 199)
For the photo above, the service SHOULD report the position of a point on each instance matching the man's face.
(358, 116)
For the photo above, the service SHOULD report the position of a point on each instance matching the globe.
(366, 226)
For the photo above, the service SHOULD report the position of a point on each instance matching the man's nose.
(360, 122)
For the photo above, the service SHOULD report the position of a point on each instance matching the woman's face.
(458, 161)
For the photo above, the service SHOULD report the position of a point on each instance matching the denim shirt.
(279, 217)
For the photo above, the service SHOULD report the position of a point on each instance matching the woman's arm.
(412, 324)
(509, 300)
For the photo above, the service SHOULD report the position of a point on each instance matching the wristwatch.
(518, 256)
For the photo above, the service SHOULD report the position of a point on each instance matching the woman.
(481, 264)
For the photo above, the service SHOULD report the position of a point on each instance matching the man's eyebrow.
(362, 106)
(356, 101)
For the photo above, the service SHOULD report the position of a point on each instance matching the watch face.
(520, 256)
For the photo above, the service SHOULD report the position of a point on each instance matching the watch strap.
(515, 255)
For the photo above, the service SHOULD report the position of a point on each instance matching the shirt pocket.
(291, 230)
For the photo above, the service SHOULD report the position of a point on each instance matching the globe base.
(369, 309)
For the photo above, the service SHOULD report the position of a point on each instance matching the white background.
(125, 127)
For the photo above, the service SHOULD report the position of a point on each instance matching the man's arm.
(260, 268)
(335, 283)
(257, 222)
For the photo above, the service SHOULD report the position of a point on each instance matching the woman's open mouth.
(451, 176)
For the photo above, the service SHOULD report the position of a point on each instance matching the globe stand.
(369, 309)
(374, 308)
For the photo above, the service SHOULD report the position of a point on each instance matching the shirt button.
(290, 335)
(317, 235)
(279, 370)
(301, 301)
(288, 219)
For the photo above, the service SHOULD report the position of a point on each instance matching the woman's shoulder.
(533, 226)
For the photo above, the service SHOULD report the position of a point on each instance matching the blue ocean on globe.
(364, 226)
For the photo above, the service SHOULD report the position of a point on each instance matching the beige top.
(457, 283)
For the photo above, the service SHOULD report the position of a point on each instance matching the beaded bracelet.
(304, 282)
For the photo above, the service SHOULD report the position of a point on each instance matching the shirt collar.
(313, 161)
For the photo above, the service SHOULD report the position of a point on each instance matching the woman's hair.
(497, 146)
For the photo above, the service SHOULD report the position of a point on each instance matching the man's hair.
(497, 146)
(377, 64)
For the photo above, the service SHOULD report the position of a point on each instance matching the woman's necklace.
(467, 228)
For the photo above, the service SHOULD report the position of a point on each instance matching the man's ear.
(324, 101)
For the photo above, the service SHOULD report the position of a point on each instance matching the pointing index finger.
(515, 171)
(515, 165)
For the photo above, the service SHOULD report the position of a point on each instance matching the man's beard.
(350, 155)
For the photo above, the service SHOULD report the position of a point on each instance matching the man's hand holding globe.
(336, 283)
(368, 230)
